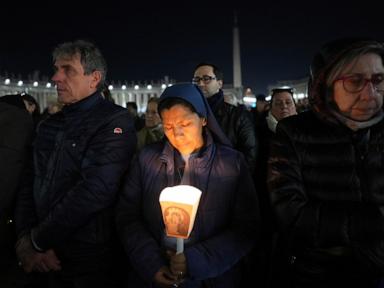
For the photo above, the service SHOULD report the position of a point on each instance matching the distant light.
(249, 99)
(7, 81)
(110, 87)
(300, 95)
(163, 86)
(136, 87)
(149, 87)
(48, 85)
(170, 84)
(20, 83)
(268, 98)
(124, 87)
(35, 84)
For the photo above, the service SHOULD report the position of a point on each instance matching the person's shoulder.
(227, 150)
(11, 109)
(112, 107)
(232, 159)
(236, 112)
(304, 123)
(107, 110)
(151, 151)
(14, 115)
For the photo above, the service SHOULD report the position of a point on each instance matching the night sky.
(145, 41)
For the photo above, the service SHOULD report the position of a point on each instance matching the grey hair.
(349, 58)
(90, 57)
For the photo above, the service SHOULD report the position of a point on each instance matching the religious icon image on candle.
(179, 207)
(176, 221)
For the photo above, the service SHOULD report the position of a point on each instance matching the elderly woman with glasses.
(326, 172)
(195, 152)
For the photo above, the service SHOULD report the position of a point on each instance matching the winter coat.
(226, 222)
(237, 124)
(327, 184)
(16, 128)
(80, 155)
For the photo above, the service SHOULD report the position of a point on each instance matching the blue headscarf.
(192, 94)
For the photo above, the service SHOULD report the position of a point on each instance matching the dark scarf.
(215, 101)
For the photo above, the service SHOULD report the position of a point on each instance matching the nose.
(177, 131)
(201, 83)
(368, 92)
(56, 77)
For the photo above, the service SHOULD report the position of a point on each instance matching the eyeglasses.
(206, 79)
(356, 83)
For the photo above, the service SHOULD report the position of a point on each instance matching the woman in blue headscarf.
(195, 152)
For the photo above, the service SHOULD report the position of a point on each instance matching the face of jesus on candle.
(176, 221)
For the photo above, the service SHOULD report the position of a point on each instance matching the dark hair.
(282, 89)
(260, 97)
(90, 57)
(218, 73)
(331, 59)
(168, 103)
(132, 104)
(107, 93)
(14, 100)
(31, 100)
(154, 100)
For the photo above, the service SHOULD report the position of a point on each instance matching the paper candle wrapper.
(179, 206)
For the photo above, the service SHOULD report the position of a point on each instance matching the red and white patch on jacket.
(118, 130)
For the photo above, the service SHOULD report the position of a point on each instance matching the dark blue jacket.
(226, 221)
(80, 155)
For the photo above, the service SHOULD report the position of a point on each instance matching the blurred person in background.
(153, 129)
(16, 131)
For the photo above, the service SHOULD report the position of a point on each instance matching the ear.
(220, 82)
(96, 78)
(204, 121)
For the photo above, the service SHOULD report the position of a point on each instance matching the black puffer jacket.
(80, 155)
(326, 183)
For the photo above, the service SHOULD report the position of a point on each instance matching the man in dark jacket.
(64, 214)
(235, 121)
(16, 129)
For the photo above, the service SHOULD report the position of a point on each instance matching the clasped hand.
(173, 275)
(31, 260)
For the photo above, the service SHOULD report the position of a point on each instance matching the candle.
(179, 207)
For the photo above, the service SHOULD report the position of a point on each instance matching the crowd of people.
(290, 197)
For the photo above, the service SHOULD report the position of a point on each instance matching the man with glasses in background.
(235, 121)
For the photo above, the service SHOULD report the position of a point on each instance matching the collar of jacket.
(216, 100)
(83, 105)
(201, 159)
